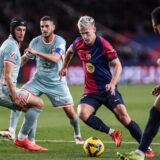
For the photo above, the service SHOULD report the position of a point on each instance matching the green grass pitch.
(55, 132)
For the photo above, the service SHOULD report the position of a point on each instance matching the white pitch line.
(65, 141)
(109, 142)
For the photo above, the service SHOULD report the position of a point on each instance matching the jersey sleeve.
(108, 50)
(10, 55)
(73, 46)
(60, 47)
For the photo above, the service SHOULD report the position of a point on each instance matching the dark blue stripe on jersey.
(102, 74)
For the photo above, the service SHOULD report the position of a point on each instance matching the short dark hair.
(155, 14)
(47, 18)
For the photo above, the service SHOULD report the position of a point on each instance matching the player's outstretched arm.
(24, 60)
(67, 59)
(54, 57)
(115, 77)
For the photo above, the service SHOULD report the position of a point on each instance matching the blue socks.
(97, 124)
(151, 129)
(135, 131)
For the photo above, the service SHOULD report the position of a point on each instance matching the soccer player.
(100, 87)
(153, 123)
(10, 96)
(49, 50)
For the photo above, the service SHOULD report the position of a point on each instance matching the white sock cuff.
(11, 130)
(140, 152)
(21, 136)
(111, 131)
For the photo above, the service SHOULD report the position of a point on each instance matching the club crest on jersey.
(88, 56)
(90, 67)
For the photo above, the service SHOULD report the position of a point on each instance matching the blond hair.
(85, 21)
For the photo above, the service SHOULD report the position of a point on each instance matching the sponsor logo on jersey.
(90, 67)
(12, 54)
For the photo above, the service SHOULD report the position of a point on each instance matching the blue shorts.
(97, 99)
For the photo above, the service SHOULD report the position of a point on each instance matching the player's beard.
(46, 36)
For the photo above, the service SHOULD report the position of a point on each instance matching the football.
(93, 147)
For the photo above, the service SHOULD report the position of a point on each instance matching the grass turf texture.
(55, 132)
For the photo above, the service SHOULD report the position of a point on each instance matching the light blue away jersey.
(47, 71)
(9, 52)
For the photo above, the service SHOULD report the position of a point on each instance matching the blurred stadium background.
(126, 24)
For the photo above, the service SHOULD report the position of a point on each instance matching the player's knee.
(84, 112)
(124, 119)
(83, 116)
(80, 115)
(40, 104)
(122, 114)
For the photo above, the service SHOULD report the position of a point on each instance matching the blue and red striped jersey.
(95, 60)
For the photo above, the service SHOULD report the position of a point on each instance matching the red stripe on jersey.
(89, 84)
(9, 61)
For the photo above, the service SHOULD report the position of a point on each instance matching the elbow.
(7, 78)
(55, 59)
(40, 104)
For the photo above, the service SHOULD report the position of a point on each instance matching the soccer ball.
(93, 147)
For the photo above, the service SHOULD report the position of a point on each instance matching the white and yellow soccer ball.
(93, 147)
